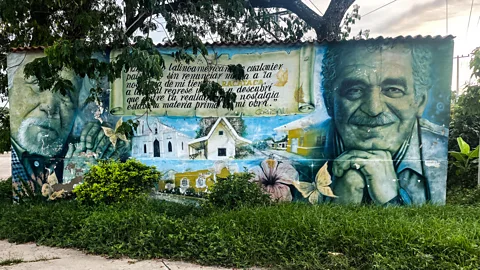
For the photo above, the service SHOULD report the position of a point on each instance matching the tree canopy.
(465, 121)
(73, 30)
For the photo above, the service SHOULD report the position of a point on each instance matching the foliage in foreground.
(6, 191)
(5, 143)
(465, 123)
(465, 165)
(111, 181)
(236, 191)
(466, 196)
(287, 236)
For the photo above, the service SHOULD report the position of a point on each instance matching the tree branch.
(136, 22)
(295, 6)
(327, 26)
(333, 18)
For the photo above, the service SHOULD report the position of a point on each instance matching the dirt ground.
(46, 258)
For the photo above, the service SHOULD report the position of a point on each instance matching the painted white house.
(156, 140)
(219, 143)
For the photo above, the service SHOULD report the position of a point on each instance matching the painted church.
(153, 139)
(220, 143)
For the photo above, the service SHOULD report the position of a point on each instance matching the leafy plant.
(236, 191)
(6, 191)
(466, 158)
(465, 123)
(112, 181)
(5, 142)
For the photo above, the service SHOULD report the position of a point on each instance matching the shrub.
(465, 165)
(111, 181)
(6, 191)
(464, 196)
(236, 191)
(465, 123)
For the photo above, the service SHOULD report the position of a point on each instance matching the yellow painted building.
(198, 180)
(304, 140)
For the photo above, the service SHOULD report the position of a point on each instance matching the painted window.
(222, 152)
(200, 182)
(220, 132)
(170, 148)
(184, 182)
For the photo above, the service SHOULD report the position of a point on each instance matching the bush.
(6, 191)
(463, 166)
(236, 191)
(465, 123)
(464, 196)
(111, 181)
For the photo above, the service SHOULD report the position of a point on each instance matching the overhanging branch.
(333, 18)
(326, 26)
(295, 6)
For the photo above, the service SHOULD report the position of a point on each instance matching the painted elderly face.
(40, 120)
(374, 100)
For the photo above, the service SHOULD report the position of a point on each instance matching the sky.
(420, 17)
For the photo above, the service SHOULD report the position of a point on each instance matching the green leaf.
(458, 156)
(464, 147)
(474, 153)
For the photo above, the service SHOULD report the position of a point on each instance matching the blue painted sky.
(258, 128)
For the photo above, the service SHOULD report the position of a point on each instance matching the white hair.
(39, 143)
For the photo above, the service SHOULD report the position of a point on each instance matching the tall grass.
(286, 236)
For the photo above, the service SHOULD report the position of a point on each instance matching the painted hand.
(349, 188)
(93, 144)
(376, 168)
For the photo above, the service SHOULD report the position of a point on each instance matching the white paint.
(221, 136)
(432, 163)
(147, 134)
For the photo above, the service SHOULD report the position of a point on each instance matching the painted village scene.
(201, 149)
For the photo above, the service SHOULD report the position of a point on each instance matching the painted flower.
(275, 177)
(320, 187)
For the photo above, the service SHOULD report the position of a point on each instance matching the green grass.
(287, 236)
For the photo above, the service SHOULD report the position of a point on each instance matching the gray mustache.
(380, 120)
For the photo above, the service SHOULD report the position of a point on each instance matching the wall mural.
(345, 122)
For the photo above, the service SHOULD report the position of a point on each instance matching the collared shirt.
(29, 167)
(408, 166)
